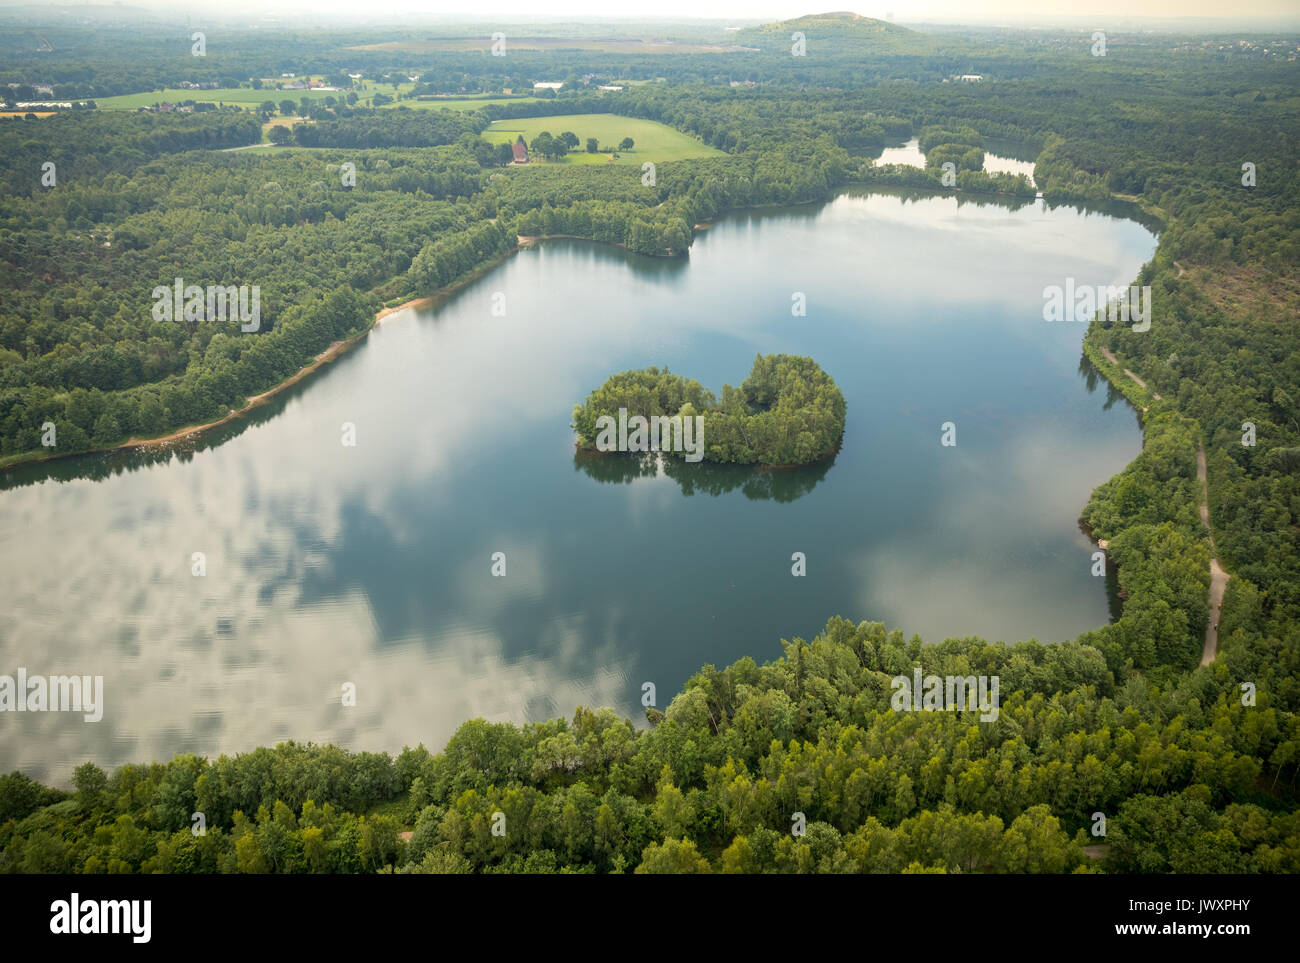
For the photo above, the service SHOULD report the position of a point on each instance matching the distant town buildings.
(548, 85)
(609, 87)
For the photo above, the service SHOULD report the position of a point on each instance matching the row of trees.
(554, 147)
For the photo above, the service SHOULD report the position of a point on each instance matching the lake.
(1000, 157)
(372, 564)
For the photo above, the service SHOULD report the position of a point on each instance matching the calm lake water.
(1000, 157)
(371, 564)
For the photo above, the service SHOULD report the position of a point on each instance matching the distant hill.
(838, 26)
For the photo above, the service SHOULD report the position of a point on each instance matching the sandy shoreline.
(325, 357)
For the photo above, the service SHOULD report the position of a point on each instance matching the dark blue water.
(371, 564)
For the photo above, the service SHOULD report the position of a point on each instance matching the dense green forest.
(1194, 767)
(787, 412)
(713, 785)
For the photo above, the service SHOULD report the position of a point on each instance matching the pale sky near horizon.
(947, 11)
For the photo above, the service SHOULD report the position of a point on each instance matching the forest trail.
(1218, 577)
(1141, 384)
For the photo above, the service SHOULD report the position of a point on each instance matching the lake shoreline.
(333, 352)
(825, 456)
(532, 240)
(339, 348)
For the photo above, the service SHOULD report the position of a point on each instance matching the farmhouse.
(520, 150)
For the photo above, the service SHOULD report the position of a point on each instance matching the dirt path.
(1141, 384)
(325, 357)
(1218, 577)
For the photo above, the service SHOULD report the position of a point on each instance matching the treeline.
(447, 259)
(230, 369)
(930, 178)
(611, 204)
(666, 229)
(85, 145)
(722, 776)
(113, 58)
(1149, 514)
(390, 128)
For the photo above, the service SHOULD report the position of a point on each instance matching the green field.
(245, 97)
(654, 141)
(462, 103)
(242, 96)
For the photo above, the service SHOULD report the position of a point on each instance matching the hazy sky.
(951, 11)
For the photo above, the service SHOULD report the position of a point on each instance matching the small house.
(520, 150)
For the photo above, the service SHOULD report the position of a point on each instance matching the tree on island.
(787, 412)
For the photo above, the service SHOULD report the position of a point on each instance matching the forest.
(1194, 767)
(712, 784)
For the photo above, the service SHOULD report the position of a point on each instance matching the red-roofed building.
(521, 151)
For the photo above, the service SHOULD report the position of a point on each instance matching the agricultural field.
(461, 103)
(245, 97)
(653, 141)
(250, 99)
